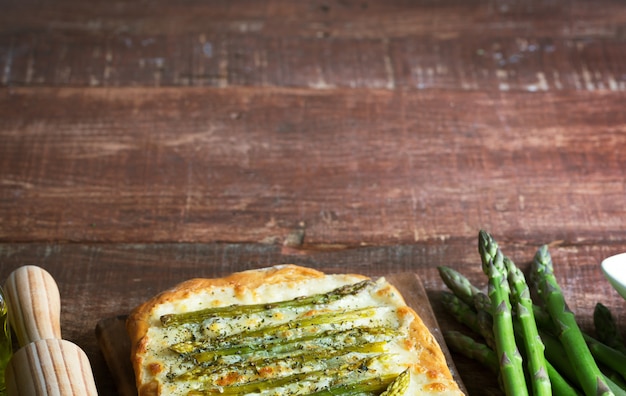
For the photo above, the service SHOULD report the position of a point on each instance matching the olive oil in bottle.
(5, 340)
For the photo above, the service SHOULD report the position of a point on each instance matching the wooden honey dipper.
(45, 364)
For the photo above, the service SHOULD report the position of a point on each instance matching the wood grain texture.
(100, 281)
(340, 167)
(50, 367)
(143, 143)
(495, 45)
(34, 304)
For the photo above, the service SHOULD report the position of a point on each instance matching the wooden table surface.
(145, 143)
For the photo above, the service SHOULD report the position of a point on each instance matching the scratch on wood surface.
(158, 75)
(521, 202)
(257, 59)
(614, 85)
(247, 26)
(222, 80)
(189, 190)
(588, 79)
(466, 83)
(207, 49)
(503, 119)
(321, 82)
(190, 138)
(198, 64)
(30, 68)
(502, 76)
(6, 73)
(260, 62)
(17, 183)
(426, 77)
(391, 81)
(109, 148)
(541, 85)
(105, 149)
(108, 59)
(63, 73)
(556, 77)
(419, 77)
(577, 83)
(417, 232)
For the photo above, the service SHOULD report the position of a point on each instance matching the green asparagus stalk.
(602, 353)
(399, 385)
(557, 356)
(342, 339)
(458, 284)
(543, 319)
(468, 304)
(275, 331)
(464, 290)
(591, 379)
(606, 328)
(263, 384)
(237, 310)
(482, 302)
(615, 388)
(511, 369)
(610, 357)
(534, 348)
(615, 377)
(485, 323)
(559, 384)
(295, 358)
(460, 310)
(468, 347)
(363, 387)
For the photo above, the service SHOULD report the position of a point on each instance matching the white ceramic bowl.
(614, 269)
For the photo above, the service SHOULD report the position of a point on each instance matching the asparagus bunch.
(549, 368)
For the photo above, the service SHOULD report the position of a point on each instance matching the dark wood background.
(146, 142)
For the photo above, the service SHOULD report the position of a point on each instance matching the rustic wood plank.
(314, 18)
(345, 167)
(527, 63)
(105, 280)
(372, 135)
(519, 45)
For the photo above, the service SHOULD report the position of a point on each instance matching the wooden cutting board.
(115, 344)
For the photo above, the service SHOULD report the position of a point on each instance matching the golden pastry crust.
(432, 361)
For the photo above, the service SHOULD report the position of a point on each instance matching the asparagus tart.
(285, 330)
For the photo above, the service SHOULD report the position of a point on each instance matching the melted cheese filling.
(361, 337)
